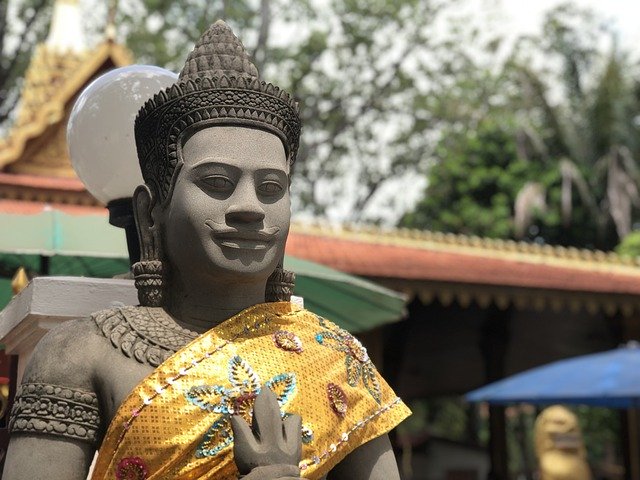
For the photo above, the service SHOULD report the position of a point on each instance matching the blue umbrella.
(607, 379)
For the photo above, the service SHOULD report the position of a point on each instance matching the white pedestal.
(49, 301)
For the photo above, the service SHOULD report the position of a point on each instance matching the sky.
(525, 16)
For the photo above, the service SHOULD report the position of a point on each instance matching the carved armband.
(50, 409)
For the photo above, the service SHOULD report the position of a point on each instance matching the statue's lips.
(243, 239)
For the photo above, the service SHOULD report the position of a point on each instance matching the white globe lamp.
(101, 140)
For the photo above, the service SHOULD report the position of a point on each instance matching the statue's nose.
(245, 213)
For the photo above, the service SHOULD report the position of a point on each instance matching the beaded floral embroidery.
(307, 434)
(131, 468)
(357, 361)
(287, 341)
(237, 400)
(337, 399)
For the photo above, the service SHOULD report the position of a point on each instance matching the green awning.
(353, 303)
(86, 245)
(53, 232)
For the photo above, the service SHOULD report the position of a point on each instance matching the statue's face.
(228, 218)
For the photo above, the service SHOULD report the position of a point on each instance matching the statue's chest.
(119, 376)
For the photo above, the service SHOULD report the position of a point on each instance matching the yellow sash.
(175, 424)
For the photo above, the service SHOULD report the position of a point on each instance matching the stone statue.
(215, 351)
(559, 445)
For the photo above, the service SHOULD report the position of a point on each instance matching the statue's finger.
(267, 420)
(242, 433)
(292, 428)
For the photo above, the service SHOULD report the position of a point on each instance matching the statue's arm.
(55, 417)
(372, 461)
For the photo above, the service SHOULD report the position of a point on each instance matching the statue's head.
(557, 429)
(216, 151)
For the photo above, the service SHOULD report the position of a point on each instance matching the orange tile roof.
(462, 267)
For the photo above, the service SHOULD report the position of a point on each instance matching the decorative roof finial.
(19, 281)
(110, 30)
(65, 33)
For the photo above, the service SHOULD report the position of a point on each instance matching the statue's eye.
(218, 182)
(270, 188)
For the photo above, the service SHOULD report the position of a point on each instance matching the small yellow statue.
(559, 446)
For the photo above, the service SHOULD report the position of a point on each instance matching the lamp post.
(101, 140)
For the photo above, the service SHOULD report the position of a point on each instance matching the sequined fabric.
(176, 422)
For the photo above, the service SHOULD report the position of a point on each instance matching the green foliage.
(601, 432)
(473, 186)
(630, 245)
(519, 165)
(366, 74)
(21, 28)
(354, 65)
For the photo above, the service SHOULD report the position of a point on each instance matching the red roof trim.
(399, 262)
(35, 181)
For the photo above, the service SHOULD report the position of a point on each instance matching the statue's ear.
(143, 212)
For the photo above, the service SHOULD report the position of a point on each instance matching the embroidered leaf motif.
(371, 382)
(287, 341)
(218, 437)
(337, 399)
(243, 406)
(283, 385)
(354, 369)
(212, 398)
(357, 362)
(239, 399)
(330, 339)
(242, 376)
(322, 321)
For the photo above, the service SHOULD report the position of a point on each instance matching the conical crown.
(217, 86)
(218, 53)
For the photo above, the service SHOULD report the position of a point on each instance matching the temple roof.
(59, 69)
(465, 269)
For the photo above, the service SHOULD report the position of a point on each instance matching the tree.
(569, 128)
(21, 27)
(592, 134)
(473, 186)
(363, 71)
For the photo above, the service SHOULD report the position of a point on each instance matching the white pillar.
(49, 301)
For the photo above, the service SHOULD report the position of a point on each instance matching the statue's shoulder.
(147, 334)
(65, 353)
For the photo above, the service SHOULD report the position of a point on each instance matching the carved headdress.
(217, 86)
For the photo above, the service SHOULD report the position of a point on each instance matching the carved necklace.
(147, 334)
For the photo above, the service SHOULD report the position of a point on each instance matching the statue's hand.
(271, 447)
